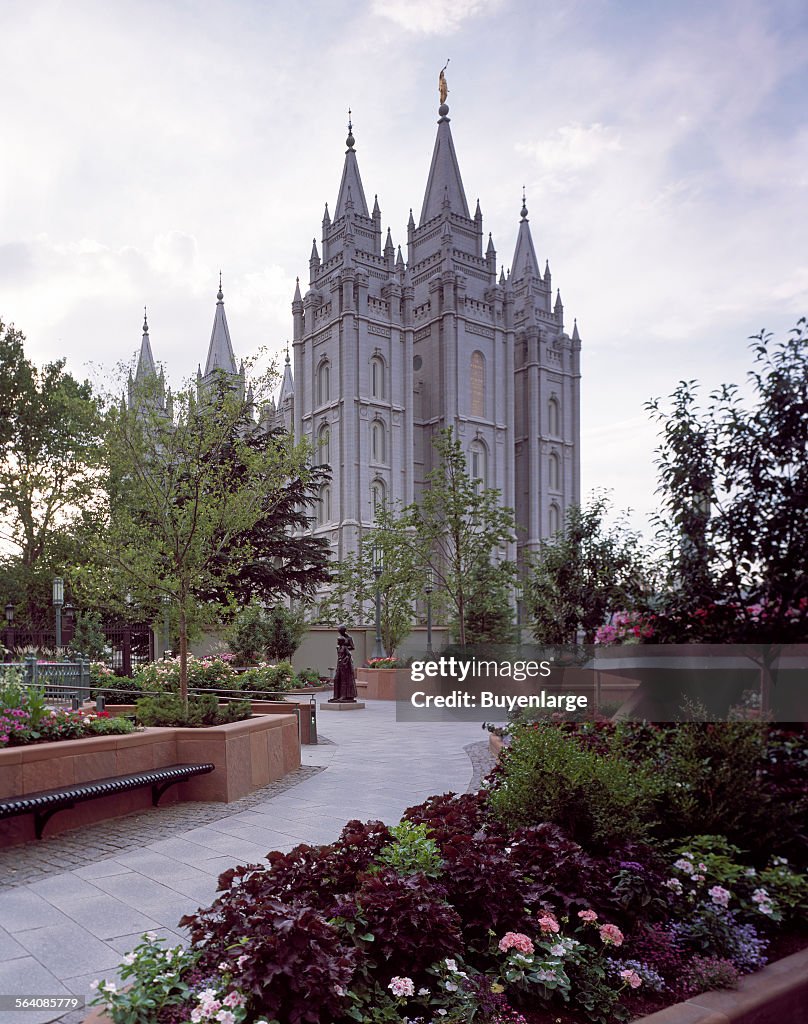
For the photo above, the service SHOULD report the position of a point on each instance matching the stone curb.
(778, 994)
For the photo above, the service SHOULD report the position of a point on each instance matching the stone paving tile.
(67, 949)
(22, 910)
(126, 943)
(9, 947)
(26, 976)
(106, 917)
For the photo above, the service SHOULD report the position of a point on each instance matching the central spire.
(220, 350)
(351, 184)
(444, 172)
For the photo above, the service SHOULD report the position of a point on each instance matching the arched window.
(555, 472)
(477, 384)
(479, 462)
(554, 519)
(324, 507)
(323, 382)
(553, 417)
(378, 441)
(324, 445)
(378, 496)
(377, 377)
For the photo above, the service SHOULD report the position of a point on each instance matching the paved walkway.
(68, 927)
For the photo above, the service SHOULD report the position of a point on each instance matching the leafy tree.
(734, 485)
(88, 637)
(584, 573)
(285, 631)
(399, 584)
(459, 526)
(489, 613)
(50, 431)
(285, 560)
(186, 492)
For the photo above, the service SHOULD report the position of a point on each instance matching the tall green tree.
(390, 547)
(459, 526)
(50, 439)
(734, 484)
(588, 570)
(176, 506)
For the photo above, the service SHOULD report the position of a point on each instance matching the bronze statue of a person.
(443, 88)
(344, 677)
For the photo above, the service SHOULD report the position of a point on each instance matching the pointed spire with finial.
(478, 213)
(559, 305)
(502, 276)
(220, 349)
(351, 184)
(145, 360)
(326, 218)
(444, 171)
(389, 248)
(376, 210)
(399, 261)
(287, 385)
(525, 263)
(575, 335)
(297, 297)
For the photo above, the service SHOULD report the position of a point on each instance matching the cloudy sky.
(664, 148)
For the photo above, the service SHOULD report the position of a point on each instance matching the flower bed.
(503, 909)
(247, 756)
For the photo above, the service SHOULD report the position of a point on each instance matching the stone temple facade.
(387, 353)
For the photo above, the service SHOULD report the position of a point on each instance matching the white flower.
(226, 1017)
(129, 959)
(110, 987)
(451, 965)
(558, 949)
(223, 965)
(197, 1014)
(94, 985)
(684, 865)
(151, 936)
(450, 986)
(423, 991)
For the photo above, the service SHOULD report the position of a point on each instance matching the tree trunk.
(183, 623)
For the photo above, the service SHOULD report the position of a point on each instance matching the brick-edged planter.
(247, 756)
(382, 683)
(776, 995)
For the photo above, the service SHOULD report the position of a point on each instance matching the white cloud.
(431, 18)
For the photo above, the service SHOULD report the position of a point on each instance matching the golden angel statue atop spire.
(443, 88)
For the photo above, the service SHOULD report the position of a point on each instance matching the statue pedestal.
(353, 705)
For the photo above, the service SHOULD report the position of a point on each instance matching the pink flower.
(518, 941)
(234, 999)
(719, 895)
(402, 987)
(548, 923)
(587, 915)
(631, 978)
(611, 934)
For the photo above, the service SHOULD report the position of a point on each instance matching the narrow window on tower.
(377, 377)
(378, 497)
(555, 472)
(323, 382)
(324, 446)
(553, 417)
(378, 445)
(554, 519)
(324, 507)
(477, 384)
(479, 462)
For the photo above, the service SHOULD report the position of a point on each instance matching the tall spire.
(525, 263)
(220, 350)
(145, 361)
(287, 385)
(444, 173)
(351, 181)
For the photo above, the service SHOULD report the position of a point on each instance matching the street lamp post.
(428, 588)
(378, 565)
(166, 599)
(9, 625)
(58, 601)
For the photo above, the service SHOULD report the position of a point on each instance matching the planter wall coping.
(773, 995)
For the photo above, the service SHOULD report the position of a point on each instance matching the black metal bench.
(45, 804)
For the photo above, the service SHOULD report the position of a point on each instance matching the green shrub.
(307, 677)
(203, 709)
(89, 637)
(248, 636)
(268, 678)
(547, 775)
(710, 779)
(112, 726)
(412, 851)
